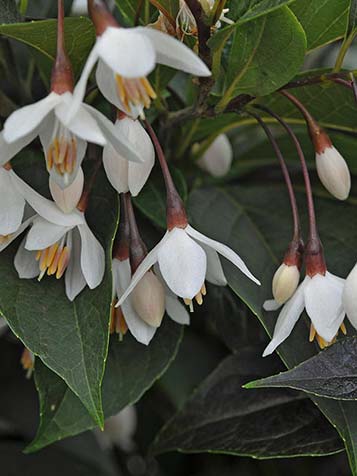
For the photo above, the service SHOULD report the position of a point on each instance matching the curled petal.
(67, 199)
(176, 310)
(8, 151)
(74, 279)
(25, 262)
(215, 274)
(25, 120)
(12, 205)
(183, 264)
(271, 305)
(92, 257)
(44, 234)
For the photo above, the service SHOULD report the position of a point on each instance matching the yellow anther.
(343, 328)
(203, 290)
(117, 321)
(43, 260)
(4, 239)
(135, 91)
(51, 254)
(312, 333)
(62, 263)
(199, 299)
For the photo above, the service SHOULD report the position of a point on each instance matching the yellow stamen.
(199, 299)
(51, 254)
(117, 321)
(62, 154)
(343, 328)
(134, 91)
(27, 362)
(63, 262)
(4, 239)
(312, 333)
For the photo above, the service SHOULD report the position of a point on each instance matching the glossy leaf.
(41, 35)
(352, 18)
(70, 338)
(131, 370)
(254, 218)
(330, 374)
(260, 61)
(248, 10)
(224, 418)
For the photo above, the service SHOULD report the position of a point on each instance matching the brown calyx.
(314, 257)
(294, 253)
(101, 16)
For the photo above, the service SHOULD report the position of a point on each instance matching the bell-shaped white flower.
(12, 203)
(140, 307)
(285, 281)
(349, 297)
(321, 297)
(186, 258)
(333, 172)
(217, 159)
(64, 138)
(128, 176)
(67, 198)
(126, 56)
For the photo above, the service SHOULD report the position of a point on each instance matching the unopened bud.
(285, 282)
(148, 299)
(218, 157)
(67, 199)
(349, 297)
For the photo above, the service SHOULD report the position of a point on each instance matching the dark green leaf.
(324, 21)
(246, 10)
(254, 218)
(352, 19)
(330, 374)
(8, 11)
(260, 60)
(222, 417)
(134, 11)
(70, 338)
(41, 35)
(131, 369)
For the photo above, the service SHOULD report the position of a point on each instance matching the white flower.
(64, 137)
(217, 159)
(349, 297)
(334, 172)
(12, 203)
(187, 22)
(67, 199)
(135, 307)
(119, 430)
(186, 258)
(321, 297)
(285, 282)
(56, 243)
(126, 56)
(127, 176)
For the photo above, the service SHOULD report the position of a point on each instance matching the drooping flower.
(67, 199)
(217, 159)
(12, 203)
(349, 297)
(320, 294)
(128, 176)
(126, 56)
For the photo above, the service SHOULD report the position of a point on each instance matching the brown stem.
(311, 80)
(138, 250)
(176, 216)
(311, 122)
(121, 249)
(285, 171)
(204, 30)
(101, 16)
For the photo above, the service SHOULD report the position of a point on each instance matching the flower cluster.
(58, 240)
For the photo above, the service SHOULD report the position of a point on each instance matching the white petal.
(12, 204)
(183, 264)
(8, 151)
(45, 208)
(117, 169)
(106, 83)
(82, 124)
(349, 297)
(120, 144)
(25, 262)
(74, 279)
(172, 52)
(215, 274)
(334, 173)
(44, 234)
(224, 251)
(13, 237)
(67, 199)
(218, 157)
(271, 305)
(323, 302)
(127, 52)
(28, 118)
(176, 310)
(148, 262)
(92, 257)
(121, 275)
(287, 319)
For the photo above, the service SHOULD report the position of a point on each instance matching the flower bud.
(218, 157)
(148, 299)
(349, 296)
(285, 282)
(67, 199)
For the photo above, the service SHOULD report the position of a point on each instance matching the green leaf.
(324, 21)
(152, 199)
(265, 54)
(222, 417)
(131, 370)
(134, 11)
(70, 338)
(169, 8)
(330, 374)
(247, 10)
(352, 18)
(41, 35)
(8, 11)
(254, 218)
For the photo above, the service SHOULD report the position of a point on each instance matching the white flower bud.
(334, 172)
(285, 282)
(349, 296)
(67, 199)
(148, 299)
(218, 157)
